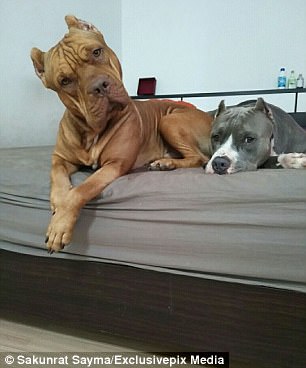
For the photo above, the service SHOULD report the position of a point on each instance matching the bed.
(190, 261)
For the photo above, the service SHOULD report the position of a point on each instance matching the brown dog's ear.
(262, 106)
(74, 22)
(221, 108)
(37, 57)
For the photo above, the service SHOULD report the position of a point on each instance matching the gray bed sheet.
(248, 227)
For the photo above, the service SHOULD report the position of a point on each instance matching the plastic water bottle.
(282, 79)
(300, 81)
(292, 80)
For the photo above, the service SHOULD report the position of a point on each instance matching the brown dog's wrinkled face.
(84, 72)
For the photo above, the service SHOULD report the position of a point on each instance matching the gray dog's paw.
(292, 160)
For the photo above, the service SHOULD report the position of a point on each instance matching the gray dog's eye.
(97, 52)
(249, 139)
(215, 137)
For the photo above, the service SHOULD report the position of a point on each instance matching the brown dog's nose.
(100, 86)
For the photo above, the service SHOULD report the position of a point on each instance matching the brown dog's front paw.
(59, 232)
(163, 164)
(54, 246)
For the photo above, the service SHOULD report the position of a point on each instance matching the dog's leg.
(60, 180)
(186, 135)
(118, 158)
(60, 229)
(60, 188)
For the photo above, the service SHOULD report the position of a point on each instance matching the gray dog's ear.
(74, 22)
(262, 106)
(221, 108)
(37, 57)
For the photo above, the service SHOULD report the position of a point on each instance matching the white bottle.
(292, 80)
(282, 79)
(300, 81)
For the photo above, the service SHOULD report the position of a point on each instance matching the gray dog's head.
(241, 138)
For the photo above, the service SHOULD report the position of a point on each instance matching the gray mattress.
(247, 227)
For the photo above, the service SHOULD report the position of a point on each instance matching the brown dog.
(103, 128)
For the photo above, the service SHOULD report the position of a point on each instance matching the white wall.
(205, 46)
(189, 46)
(29, 114)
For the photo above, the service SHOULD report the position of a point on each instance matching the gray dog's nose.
(220, 164)
(100, 86)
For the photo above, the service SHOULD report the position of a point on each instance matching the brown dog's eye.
(97, 52)
(65, 81)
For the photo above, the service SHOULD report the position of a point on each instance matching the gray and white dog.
(246, 136)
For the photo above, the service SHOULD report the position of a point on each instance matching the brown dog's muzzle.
(101, 86)
(106, 87)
